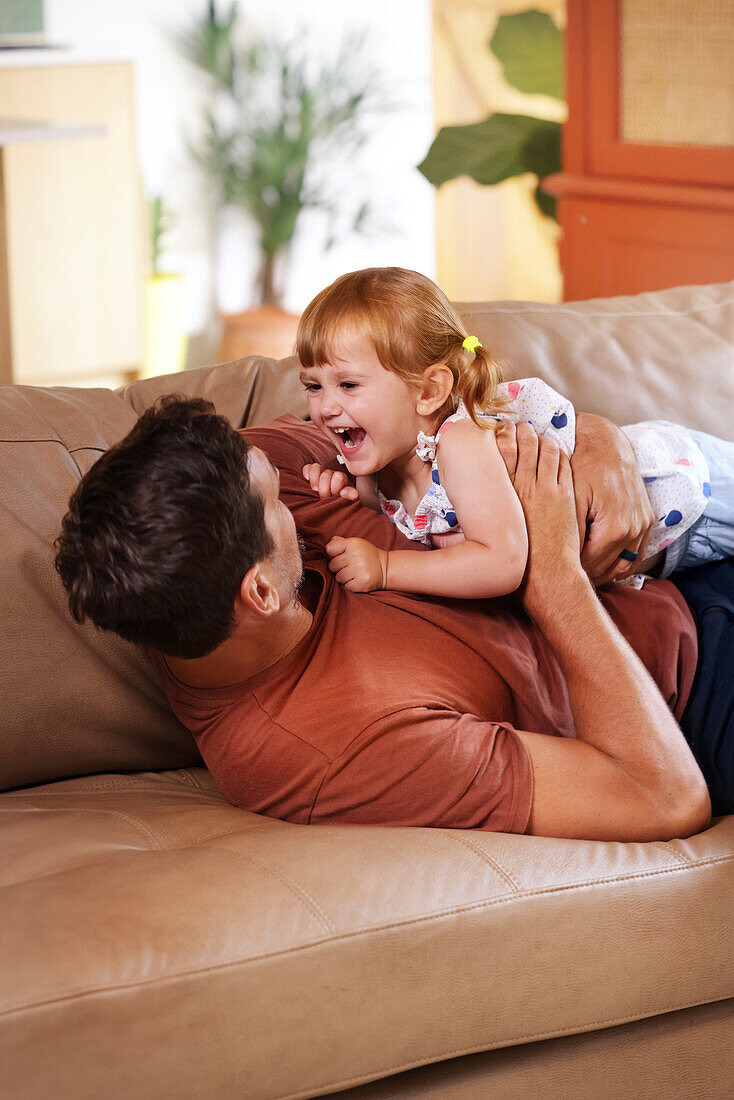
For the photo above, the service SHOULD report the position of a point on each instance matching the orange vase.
(262, 330)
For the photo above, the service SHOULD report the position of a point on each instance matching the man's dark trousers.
(708, 720)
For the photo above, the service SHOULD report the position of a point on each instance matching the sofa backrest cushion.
(663, 355)
(75, 700)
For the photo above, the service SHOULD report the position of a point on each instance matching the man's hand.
(329, 483)
(541, 474)
(612, 504)
(358, 565)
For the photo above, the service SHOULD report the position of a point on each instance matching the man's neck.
(252, 649)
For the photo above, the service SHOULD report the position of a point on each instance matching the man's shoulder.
(290, 442)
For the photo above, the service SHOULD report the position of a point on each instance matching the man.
(316, 704)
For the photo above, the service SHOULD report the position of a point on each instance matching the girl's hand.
(358, 565)
(329, 483)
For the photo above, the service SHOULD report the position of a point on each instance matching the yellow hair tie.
(472, 343)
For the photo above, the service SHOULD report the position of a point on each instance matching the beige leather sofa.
(156, 942)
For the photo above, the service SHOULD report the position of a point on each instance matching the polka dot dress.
(529, 399)
(676, 477)
(673, 468)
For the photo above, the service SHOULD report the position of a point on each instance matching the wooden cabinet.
(646, 198)
(71, 226)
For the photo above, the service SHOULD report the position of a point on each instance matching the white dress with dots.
(674, 469)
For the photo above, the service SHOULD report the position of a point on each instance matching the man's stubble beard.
(302, 574)
(290, 565)
(298, 581)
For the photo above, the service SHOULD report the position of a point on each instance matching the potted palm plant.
(275, 126)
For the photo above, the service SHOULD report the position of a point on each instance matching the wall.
(169, 98)
(492, 242)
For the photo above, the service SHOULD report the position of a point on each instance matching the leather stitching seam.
(365, 931)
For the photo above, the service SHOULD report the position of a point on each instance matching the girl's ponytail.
(477, 375)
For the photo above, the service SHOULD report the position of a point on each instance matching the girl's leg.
(712, 536)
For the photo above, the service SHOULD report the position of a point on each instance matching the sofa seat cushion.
(155, 936)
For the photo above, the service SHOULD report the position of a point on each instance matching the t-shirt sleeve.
(423, 767)
(290, 444)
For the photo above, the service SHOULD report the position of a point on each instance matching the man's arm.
(630, 775)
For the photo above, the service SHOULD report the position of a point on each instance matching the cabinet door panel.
(690, 59)
(623, 248)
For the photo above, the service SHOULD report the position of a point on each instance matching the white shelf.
(52, 56)
(16, 130)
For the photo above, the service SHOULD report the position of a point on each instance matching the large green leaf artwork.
(530, 48)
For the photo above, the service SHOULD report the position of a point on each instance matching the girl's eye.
(349, 385)
(311, 387)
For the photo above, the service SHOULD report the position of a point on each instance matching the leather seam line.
(486, 858)
(295, 887)
(598, 316)
(678, 859)
(69, 450)
(144, 829)
(353, 934)
(26, 794)
(190, 845)
(556, 1033)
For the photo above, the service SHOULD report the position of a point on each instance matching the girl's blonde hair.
(411, 324)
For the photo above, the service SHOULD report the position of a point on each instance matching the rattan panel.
(677, 72)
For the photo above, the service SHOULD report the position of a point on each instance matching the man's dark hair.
(162, 529)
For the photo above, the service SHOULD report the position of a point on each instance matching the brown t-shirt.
(399, 709)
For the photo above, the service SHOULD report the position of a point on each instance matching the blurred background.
(181, 177)
(81, 203)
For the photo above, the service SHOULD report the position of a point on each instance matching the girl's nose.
(329, 404)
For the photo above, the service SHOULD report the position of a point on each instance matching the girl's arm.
(492, 559)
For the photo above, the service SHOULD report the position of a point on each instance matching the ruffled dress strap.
(427, 444)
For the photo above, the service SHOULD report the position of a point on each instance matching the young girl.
(410, 401)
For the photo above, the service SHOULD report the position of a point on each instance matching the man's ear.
(258, 592)
(434, 389)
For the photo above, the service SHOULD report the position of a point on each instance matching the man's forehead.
(259, 465)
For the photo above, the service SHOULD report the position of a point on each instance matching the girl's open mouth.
(350, 438)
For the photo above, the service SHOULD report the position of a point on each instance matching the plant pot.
(263, 330)
(165, 325)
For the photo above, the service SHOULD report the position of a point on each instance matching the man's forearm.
(617, 706)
